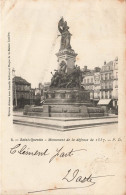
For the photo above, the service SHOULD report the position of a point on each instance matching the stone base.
(71, 110)
(66, 103)
(63, 124)
(65, 110)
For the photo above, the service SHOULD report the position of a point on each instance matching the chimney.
(85, 68)
(97, 69)
(104, 62)
(116, 59)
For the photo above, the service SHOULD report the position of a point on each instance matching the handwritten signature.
(76, 177)
(60, 152)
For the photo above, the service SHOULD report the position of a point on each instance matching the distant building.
(88, 83)
(91, 82)
(37, 91)
(39, 95)
(85, 71)
(102, 84)
(115, 83)
(46, 86)
(40, 86)
(109, 84)
(21, 92)
(97, 86)
(107, 80)
(32, 96)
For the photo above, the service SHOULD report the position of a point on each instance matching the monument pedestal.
(68, 56)
(66, 103)
(72, 103)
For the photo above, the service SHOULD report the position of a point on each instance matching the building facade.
(102, 84)
(91, 82)
(21, 92)
(88, 84)
(32, 96)
(107, 80)
(97, 86)
(109, 83)
(115, 83)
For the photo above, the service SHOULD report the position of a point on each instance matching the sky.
(97, 28)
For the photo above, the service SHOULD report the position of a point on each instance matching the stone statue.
(65, 34)
(63, 67)
(62, 79)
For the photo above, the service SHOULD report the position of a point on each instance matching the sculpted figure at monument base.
(62, 79)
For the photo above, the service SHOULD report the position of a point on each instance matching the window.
(110, 76)
(98, 95)
(103, 77)
(106, 76)
(87, 80)
(105, 85)
(91, 80)
(111, 67)
(110, 94)
(106, 95)
(102, 95)
(110, 85)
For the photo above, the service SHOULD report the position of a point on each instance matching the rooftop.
(21, 81)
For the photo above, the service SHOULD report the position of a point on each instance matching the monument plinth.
(66, 103)
(68, 57)
(66, 96)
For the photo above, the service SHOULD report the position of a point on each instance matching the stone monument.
(66, 96)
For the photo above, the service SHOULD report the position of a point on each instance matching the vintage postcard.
(62, 98)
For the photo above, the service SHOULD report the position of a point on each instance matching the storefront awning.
(104, 102)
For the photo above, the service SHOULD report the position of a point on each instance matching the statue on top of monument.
(65, 34)
(63, 78)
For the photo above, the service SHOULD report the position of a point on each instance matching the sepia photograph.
(62, 100)
(74, 95)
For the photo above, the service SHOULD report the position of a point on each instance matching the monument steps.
(64, 124)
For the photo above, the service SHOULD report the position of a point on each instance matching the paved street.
(110, 129)
(33, 130)
(63, 124)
